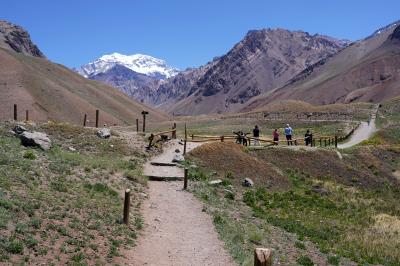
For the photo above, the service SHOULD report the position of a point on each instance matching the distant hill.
(262, 61)
(53, 92)
(366, 71)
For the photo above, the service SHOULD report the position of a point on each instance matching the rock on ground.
(35, 139)
(104, 133)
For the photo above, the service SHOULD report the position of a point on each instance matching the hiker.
(289, 134)
(245, 139)
(238, 136)
(308, 138)
(275, 135)
(256, 136)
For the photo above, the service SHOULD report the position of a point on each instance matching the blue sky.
(184, 33)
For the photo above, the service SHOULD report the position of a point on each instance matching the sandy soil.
(177, 231)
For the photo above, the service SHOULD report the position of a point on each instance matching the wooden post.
(262, 257)
(185, 179)
(320, 142)
(27, 115)
(15, 112)
(336, 141)
(174, 132)
(295, 142)
(325, 142)
(97, 118)
(184, 142)
(144, 113)
(329, 142)
(222, 139)
(137, 124)
(84, 120)
(127, 204)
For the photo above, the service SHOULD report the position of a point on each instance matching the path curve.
(177, 231)
(364, 131)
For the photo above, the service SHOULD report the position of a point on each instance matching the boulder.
(36, 139)
(18, 129)
(247, 182)
(178, 158)
(104, 133)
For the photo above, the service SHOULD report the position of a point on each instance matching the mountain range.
(53, 92)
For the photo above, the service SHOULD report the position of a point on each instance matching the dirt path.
(177, 231)
(363, 132)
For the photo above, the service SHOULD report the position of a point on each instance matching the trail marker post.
(144, 113)
(262, 257)
(137, 124)
(127, 203)
(15, 112)
(184, 142)
(174, 131)
(185, 179)
(336, 141)
(97, 118)
(84, 120)
(27, 115)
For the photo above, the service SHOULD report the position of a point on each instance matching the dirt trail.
(363, 132)
(177, 231)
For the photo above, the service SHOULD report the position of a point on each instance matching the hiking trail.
(176, 230)
(364, 131)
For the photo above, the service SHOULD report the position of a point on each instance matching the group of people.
(288, 132)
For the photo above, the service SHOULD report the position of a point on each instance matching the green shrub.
(334, 260)
(29, 154)
(305, 261)
(299, 245)
(15, 247)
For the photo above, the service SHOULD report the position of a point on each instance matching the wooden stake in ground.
(144, 113)
(97, 118)
(27, 115)
(137, 124)
(184, 142)
(185, 179)
(127, 204)
(262, 257)
(84, 120)
(174, 131)
(15, 112)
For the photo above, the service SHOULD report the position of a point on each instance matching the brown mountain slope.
(262, 61)
(53, 92)
(366, 71)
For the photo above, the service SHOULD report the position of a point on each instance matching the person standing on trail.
(275, 135)
(289, 134)
(308, 138)
(256, 136)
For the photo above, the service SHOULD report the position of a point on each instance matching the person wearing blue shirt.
(288, 133)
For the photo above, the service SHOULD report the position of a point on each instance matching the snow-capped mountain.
(383, 29)
(143, 64)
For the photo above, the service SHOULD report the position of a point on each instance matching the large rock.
(35, 139)
(178, 158)
(247, 182)
(18, 129)
(104, 133)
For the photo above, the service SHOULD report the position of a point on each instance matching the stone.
(177, 151)
(215, 182)
(104, 133)
(247, 182)
(71, 149)
(36, 139)
(18, 129)
(178, 158)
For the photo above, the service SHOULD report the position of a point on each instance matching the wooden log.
(15, 112)
(127, 204)
(262, 257)
(336, 141)
(97, 118)
(185, 179)
(27, 115)
(137, 124)
(320, 142)
(84, 120)
(222, 138)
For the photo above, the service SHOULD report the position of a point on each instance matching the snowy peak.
(384, 29)
(139, 63)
